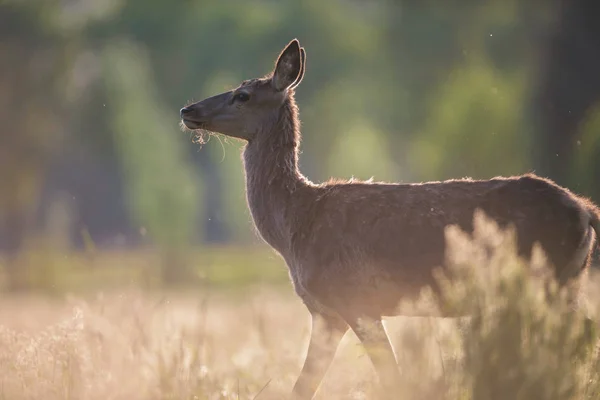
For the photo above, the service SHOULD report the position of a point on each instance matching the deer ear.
(302, 70)
(288, 66)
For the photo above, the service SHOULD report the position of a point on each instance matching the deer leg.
(373, 337)
(326, 334)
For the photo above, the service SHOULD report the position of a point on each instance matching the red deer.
(355, 249)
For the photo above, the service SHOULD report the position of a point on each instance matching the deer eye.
(241, 97)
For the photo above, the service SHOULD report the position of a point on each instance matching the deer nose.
(185, 110)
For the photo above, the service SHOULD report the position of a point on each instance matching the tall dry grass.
(527, 343)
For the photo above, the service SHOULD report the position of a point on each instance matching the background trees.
(90, 93)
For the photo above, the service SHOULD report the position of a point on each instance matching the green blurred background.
(99, 186)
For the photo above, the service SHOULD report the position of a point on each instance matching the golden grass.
(136, 345)
(140, 346)
(250, 343)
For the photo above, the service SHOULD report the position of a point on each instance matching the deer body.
(356, 249)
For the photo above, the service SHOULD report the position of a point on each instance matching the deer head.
(254, 106)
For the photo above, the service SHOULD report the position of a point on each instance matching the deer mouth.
(193, 124)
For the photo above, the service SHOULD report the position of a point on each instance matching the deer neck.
(273, 177)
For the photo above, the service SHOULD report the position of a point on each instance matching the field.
(130, 345)
(245, 338)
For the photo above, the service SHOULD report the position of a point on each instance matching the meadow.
(107, 332)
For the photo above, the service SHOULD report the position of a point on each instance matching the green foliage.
(394, 91)
(162, 189)
(361, 153)
(585, 152)
(236, 216)
(230, 269)
(474, 123)
(36, 60)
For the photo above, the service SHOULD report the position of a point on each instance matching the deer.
(354, 249)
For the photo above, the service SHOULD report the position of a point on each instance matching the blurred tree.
(161, 187)
(396, 89)
(568, 91)
(215, 45)
(475, 127)
(466, 81)
(583, 174)
(35, 62)
(472, 48)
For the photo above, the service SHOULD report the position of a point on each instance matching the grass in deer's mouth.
(199, 136)
(202, 136)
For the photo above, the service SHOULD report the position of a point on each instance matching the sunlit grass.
(129, 342)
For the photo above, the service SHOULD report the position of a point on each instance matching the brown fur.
(355, 249)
